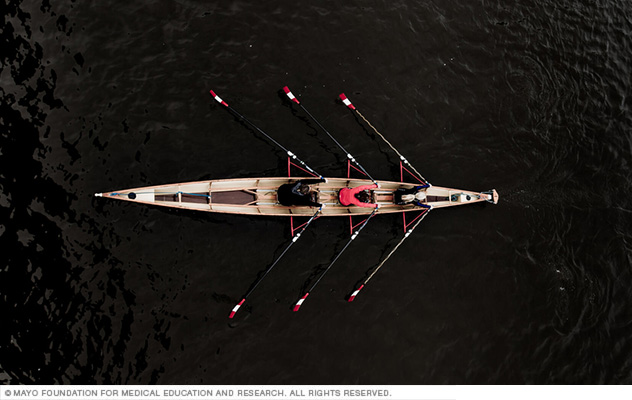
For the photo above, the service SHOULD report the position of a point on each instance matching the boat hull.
(258, 196)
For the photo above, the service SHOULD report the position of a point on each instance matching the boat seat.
(381, 197)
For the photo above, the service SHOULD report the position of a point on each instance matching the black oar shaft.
(355, 234)
(294, 239)
(406, 235)
(349, 156)
(267, 271)
(291, 96)
(403, 159)
(410, 231)
(323, 128)
(246, 120)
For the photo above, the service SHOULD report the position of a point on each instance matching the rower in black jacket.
(299, 193)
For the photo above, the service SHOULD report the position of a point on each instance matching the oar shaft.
(298, 304)
(291, 96)
(343, 249)
(349, 156)
(246, 120)
(396, 247)
(355, 292)
(288, 152)
(323, 129)
(348, 103)
(294, 239)
(254, 286)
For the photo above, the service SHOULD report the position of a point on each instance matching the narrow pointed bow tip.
(346, 101)
(290, 95)
(98, 195)
(236, 308)
(300, 302)
(218, 99)
(355, 293)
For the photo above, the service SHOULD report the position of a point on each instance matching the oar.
(355, 292)
(253, 287)
(289, 153)
(348, 103)
(349, 156)
(302, 299)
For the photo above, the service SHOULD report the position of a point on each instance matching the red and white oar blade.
(219, 100)
(289, 94)
(300, 302)
(236, 308)
(346, 101)
(355, 293)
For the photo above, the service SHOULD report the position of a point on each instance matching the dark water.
(531, 98)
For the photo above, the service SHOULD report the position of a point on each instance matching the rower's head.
(304, 189)
(363, 196)
(420, 196)
(407, 198)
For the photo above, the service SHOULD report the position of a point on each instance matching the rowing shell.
(258, 196)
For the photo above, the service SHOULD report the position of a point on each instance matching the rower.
(358, 196)
(299, 193)
(415, 195)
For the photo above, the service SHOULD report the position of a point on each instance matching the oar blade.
(300, 302)
(236, 308)
(290, 95)
(346, 101)
(355, 293)
(218, 99)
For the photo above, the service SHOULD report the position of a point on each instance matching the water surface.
(532, 99)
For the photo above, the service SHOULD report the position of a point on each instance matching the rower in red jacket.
(349, 196)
